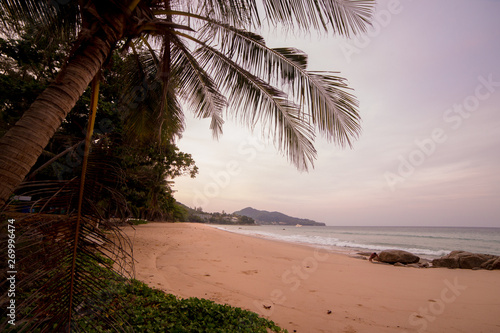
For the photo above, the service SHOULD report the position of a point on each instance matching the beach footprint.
(250, 272)
(349, 329)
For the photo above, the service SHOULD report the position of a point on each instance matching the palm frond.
(253, 100)
(16, 13)
(323, 96)
(344, 17)
(197, 88)
(152, 111)
(45, 239)
(51, 19)
(237, 13)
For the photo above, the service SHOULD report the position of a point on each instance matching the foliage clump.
(150, 310)
(129, 305)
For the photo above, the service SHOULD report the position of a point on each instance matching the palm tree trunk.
(21, 146)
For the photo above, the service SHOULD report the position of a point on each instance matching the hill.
(198, 215)
(265, 217)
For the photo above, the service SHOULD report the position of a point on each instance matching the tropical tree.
(27, 67)
(204, 54)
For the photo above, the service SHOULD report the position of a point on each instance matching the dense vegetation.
(198, 215)
(28, 64)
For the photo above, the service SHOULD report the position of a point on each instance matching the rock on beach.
(398, 256)
(468, 260)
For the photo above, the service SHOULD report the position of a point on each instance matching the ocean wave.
(402, 235)
(323, 242)
(372, 247)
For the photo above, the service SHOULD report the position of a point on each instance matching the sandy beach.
(304, 289)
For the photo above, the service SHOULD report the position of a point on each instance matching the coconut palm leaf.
(64, 291)
(324, 103)
(147, 118)
(197, 88)
(51, 19)
(270, 106)
(324, 96)
(73, 246)
(344, 17)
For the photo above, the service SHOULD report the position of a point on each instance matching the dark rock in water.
(394, 256)
(468, 260)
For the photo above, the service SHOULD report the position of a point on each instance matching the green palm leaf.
(344, 17)
(197, 88)
(270, 107)
(324, 97)
(151, 109)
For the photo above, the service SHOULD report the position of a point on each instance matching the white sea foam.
(425, 242)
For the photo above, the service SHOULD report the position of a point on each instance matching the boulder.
(394, 256)
(446, 262)
(493, 263)
(467, 260)
(474, 260)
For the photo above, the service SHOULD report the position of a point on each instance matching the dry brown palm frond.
(46, 237)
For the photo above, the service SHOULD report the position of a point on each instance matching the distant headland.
(246, 216)
(275, 218)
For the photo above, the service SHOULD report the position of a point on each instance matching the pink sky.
(428, 81)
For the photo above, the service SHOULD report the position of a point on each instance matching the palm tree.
(204, 55)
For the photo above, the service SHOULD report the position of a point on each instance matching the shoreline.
(343, 250)
(307, 289)
(351, 240)
(328, 248)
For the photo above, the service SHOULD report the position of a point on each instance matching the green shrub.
(150, 310)
(132, 306)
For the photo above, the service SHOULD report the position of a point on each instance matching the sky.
(427, 77)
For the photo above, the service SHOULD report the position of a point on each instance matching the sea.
(426, 242)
